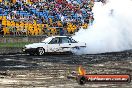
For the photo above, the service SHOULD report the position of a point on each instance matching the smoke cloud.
(111, 30)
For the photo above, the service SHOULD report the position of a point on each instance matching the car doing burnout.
(53, 44)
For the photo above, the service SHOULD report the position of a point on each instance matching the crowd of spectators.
(55, 13)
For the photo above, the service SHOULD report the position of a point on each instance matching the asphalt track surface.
(51, 71)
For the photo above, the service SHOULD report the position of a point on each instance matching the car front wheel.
(40, 51)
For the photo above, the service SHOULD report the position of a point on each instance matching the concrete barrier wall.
(21, 39)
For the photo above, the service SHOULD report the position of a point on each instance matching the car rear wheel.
(40, 51)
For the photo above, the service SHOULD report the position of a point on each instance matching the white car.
(53, 44)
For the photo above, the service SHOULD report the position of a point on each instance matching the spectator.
(74, 11)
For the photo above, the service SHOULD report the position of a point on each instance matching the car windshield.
(47, 40)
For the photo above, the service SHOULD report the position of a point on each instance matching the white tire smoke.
(111, 30)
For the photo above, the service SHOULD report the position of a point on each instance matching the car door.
(66, 44)
(54, 45)
(73, 43)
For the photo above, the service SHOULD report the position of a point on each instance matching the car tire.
(40, 51)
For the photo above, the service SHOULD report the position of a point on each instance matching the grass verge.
(19, 45)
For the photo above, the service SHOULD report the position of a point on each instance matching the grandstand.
(44, 17)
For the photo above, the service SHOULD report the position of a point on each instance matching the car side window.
(65, 40)
(73, 41)
(54, 41)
